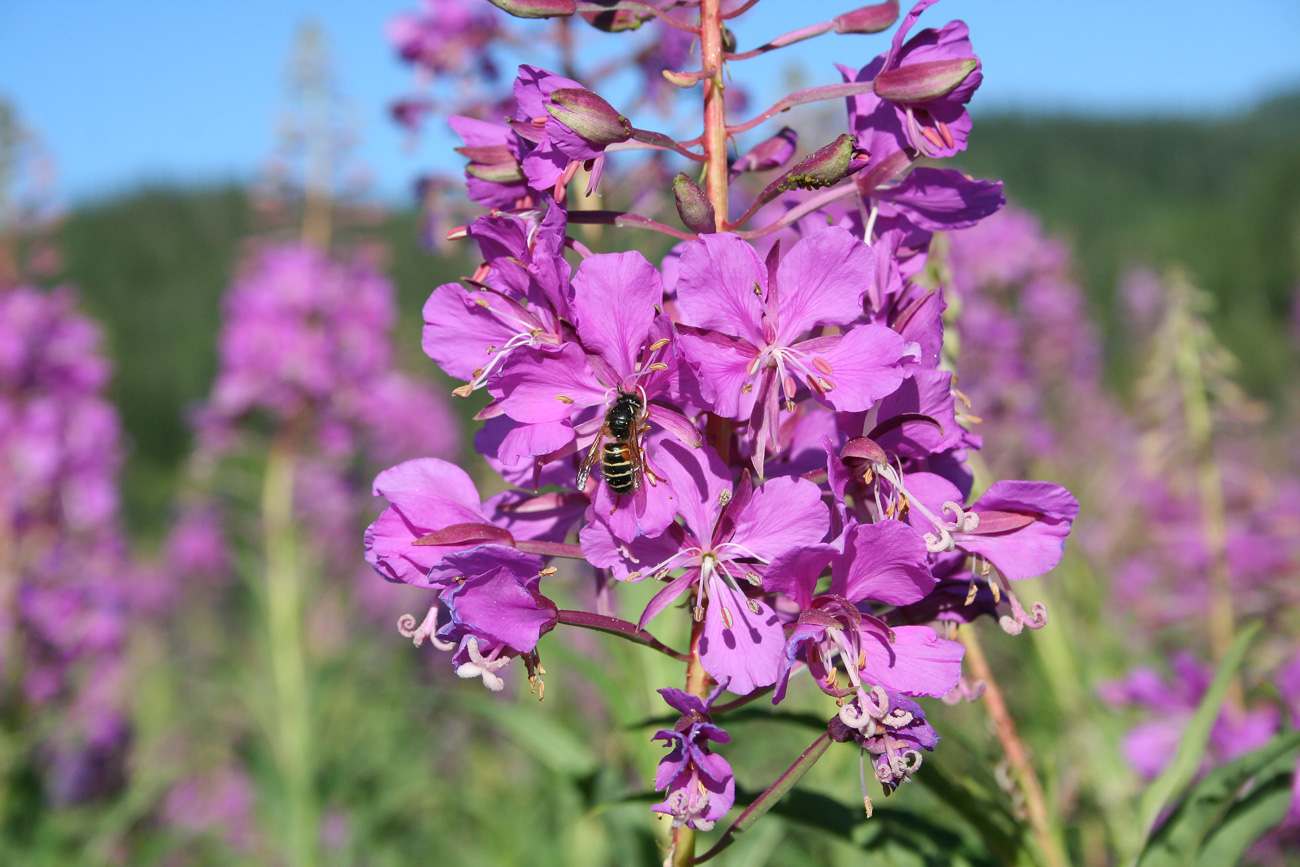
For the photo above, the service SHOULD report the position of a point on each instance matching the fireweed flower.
(445, 36)
(66, 595)
(918, 107)
(522, 293)
(568, 126)
(728, 536)
(699, 783)
(496, 613)
(434, 503)
(747, 331)
(560, 398)
(883, 563)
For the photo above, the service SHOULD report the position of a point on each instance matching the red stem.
(802, 97)
(621, 628)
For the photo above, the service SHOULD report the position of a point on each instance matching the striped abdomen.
(616, 461)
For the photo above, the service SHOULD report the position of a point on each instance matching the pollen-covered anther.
(758, 290)
(483, 302)
(789, 405)
(659, 344)
(825, 384)
(752, 605)
(697, 614)
(752, 578)
(727, 619)
(563, 398)
(747, 388)
(752, 368)
(633, 576)
(547, 572)
(658, 365)
(462, 391)
(971, 592)
(724, 497)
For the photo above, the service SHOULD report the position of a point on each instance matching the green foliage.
(1224, 814)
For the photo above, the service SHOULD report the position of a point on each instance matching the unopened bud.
(920, 82)
(868, 19)
(768, 154)
(693, 206)
(537, 8)
(496, 173)
(616, 20)
(589, 116)
(824, 167)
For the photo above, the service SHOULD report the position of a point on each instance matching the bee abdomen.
(616, 461)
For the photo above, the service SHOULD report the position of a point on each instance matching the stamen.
(660, 344)
(946, 133)
(823, 365)
(932, 137)
(562, 398)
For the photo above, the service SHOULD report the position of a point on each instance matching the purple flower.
(561, 397)
(445, 36)
(728, 537)
(700, 786)
(884, 563)
(497, 613)
(748, 325)
(919, 104)
(435, 511)
(567, 125)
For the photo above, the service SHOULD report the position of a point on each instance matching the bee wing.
(584, 470)
(638, 459)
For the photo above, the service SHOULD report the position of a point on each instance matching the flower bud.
(589, 116)
(826, 166)
(693, 206)
(496, 173)
(920, 82)
(615, 21)
(537, 8)
(868, 19)
(768, 154)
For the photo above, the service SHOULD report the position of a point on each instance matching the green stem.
(288, 656)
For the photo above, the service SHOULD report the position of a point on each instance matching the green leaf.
(1191, 749)
(558, 748)
(1217, 819)
(1252, 816)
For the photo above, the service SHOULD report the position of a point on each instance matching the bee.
(619, 445)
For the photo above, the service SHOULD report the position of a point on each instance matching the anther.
(724, 497)
(482, 302)
(747, 388)
(547, 572)
(562, 398)
(660, 344)
(462, 391)
(971, 592)
(752, 578)
(633, 576)
(758, 290)
(823, 365)
(727, 620)
(946, 133)
(932, 137)
(697, 613)
(658, 365)
(752, 605)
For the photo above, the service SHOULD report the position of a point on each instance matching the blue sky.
(148, 91)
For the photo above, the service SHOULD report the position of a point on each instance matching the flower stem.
(288, 658)
(621, 628)
(715, 112)
(1017, 756)
(697, 683)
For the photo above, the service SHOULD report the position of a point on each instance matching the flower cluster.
(62, 553)
(769, 432)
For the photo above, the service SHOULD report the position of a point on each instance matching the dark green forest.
(1219, 197)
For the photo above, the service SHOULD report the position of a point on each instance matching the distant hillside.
(1221, 197)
